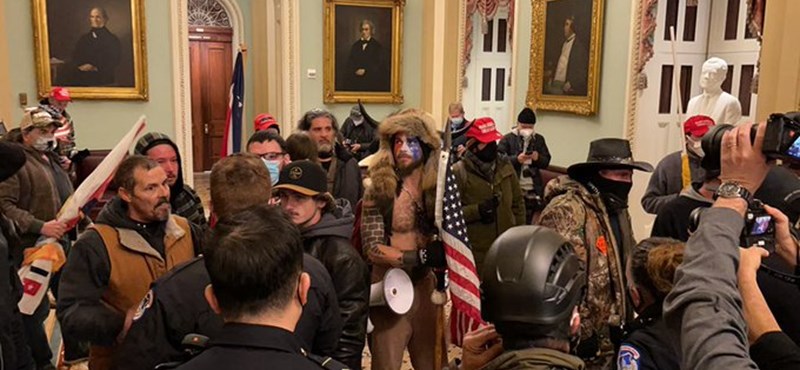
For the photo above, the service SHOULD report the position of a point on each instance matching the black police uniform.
(176, 306)
(647, 344)
(246, 346)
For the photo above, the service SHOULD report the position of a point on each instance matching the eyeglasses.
(272, 156)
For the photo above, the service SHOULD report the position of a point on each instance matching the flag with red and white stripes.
(232, 140)
(464, 283)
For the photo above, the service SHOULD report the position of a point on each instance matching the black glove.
(433, 255)
(488, 209)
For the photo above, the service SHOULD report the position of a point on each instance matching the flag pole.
(439, 295)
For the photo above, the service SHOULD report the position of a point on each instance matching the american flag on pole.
(232, 141)
(466, 313)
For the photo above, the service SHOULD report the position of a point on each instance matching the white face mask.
(456, 121)
(358, 121)
(527, 132)
(695, 146)
(44, 143)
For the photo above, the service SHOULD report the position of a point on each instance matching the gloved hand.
(433, 255)
(488, 209)
(430, 256)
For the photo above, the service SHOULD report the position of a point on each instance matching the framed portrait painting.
(363, 39)
(94, 47)
(566, 38)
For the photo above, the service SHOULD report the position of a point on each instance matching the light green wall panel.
(100, 124)
(312, 24)
(568, 135)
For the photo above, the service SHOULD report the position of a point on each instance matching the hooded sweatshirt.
(182, 197)
(329, 242)
(535, 359)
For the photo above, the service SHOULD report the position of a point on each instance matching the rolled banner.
(47, 257)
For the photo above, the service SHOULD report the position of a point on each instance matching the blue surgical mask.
(274, 168)
(456, 122)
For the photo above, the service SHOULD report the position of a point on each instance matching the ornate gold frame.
(42, 52)
(395, 96)
(583, 105)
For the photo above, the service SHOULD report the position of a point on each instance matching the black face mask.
(613, 193)
(488, 153)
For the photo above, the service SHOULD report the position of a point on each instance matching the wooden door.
(211, 68)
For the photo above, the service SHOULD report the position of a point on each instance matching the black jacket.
(86, 276)
(329, 242)
(511, 145)
(648, 345)
(14, 351)
(776, 351)
(245, 346)
(347, 184)
(178, 307)
(362, 134)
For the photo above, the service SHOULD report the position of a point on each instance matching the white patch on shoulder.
(628, 358)
(146, 302)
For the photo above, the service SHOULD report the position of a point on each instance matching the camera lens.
(712, 145)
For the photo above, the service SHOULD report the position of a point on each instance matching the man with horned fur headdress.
(398, 223)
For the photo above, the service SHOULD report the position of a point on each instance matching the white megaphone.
(395, 291)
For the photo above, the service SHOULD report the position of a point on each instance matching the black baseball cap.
(305, 177)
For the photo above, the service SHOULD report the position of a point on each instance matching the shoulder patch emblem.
(146, 302)
(628, 358)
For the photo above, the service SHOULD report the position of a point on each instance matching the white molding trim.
(181, 88)
(512, 89)
(462, 19)
(291, 69)
(631, 91)
(437, 85)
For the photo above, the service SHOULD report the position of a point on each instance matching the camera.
(780, 140)
(759, 227)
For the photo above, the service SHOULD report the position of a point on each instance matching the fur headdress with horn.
(382, 186)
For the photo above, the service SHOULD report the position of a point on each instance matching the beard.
(324, 150)
(404, 170)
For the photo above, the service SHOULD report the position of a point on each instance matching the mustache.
(161, 202)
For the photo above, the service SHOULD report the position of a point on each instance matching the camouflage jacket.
(580, 216)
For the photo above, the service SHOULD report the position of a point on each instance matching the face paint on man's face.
(407, 150)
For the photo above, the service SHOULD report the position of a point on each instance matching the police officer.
(259, 292)
(534, 265)
(176, 306)
(650, 270)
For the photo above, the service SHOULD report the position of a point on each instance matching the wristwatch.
(732, 190)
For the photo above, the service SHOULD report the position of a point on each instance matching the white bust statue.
(713, 102)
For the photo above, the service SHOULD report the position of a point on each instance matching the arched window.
(207, 13)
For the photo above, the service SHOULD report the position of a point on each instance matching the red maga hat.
(697, 126)
(484, 130)
(60, 94)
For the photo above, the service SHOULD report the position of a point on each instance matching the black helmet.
(531, 275)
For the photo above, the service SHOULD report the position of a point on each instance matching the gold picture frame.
(564, 70)
(348, 74)
(96, 48)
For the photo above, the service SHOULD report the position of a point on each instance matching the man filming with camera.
(704, 309)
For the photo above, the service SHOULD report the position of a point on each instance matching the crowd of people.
(278, 271)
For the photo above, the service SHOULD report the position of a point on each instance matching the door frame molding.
(181, 88)
(282, 62)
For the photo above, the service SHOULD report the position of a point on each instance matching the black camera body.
(759, 227)
(781, 140)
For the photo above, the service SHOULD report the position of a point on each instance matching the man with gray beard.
(344, 175)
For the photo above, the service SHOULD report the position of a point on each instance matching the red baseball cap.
(265, 121)
(484, 130)
(697, 126)
(60, 94)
